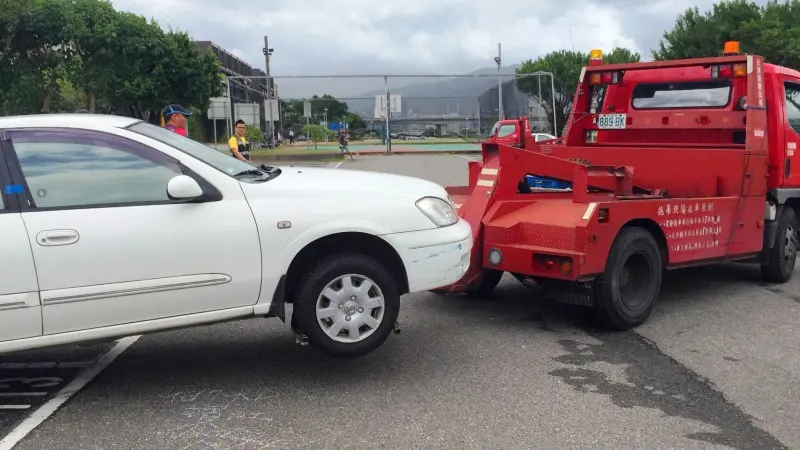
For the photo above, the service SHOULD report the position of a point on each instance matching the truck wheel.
(783, 254)
(347, 305)
(489, 280)
(626, 293)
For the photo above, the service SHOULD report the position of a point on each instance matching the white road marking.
(47, 365)
(14, 407)
(46, 410)
(22, 394)
(466, 157)
(338, 164)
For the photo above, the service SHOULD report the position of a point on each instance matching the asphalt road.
(717, 366)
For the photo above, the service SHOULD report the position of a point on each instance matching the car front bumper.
(434, 258)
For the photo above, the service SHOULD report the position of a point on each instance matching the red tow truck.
(664, 165)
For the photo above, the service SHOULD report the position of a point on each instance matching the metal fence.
(454, 106)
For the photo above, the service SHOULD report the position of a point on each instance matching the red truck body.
(671, 164)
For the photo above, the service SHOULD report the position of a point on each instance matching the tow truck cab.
(664, 165)
(714, 97)
(509, 132)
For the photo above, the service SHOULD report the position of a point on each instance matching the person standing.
(291, 136)
(174, 117)
(237, 144)
(344, 140)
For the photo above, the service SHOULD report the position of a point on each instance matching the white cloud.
(412, 36)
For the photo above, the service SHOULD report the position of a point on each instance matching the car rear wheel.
(626, 293)
(347, 305)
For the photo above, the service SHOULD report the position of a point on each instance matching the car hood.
(342, 200)
(317, 179)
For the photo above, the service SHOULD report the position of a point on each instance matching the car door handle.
(57, 237)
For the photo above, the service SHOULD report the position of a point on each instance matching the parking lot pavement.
(717, 366)
(30, 379)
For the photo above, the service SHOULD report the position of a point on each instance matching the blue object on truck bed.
(547, 183)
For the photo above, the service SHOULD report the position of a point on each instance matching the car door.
(109, 244)
(20, 309)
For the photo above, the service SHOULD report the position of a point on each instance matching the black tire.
(318, 278)
(489, 280)
(783, 254)
(634, 257)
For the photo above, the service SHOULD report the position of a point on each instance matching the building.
(242, 90)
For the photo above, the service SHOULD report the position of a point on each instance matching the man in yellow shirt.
(238, 144)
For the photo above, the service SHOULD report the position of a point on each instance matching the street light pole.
(325, 119)
(270, 124)
(499, 61)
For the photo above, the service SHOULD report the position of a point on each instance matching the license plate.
(611, 121)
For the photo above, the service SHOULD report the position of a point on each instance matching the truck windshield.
(220, 161)
(506, 130)
(693, 94)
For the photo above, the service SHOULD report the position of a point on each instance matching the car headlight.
(439, 211)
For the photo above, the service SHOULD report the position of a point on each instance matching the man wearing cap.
(173, 118)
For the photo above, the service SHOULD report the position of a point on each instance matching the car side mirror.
(183, 187)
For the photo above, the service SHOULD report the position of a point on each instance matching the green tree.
(697, 35)
(316, 133)
(355, 122)
(37, 52)
(565, 65)
(114, 62)
(292, 111)
(337, 110)
(769, 30)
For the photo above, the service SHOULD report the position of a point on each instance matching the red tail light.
(602, 78)
(728, 70)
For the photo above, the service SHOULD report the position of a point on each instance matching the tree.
(565, 65)
(316, 133)
(292, 110)
(337, 110)
(769, 30)
(114, 62)
(355, 122)
(697, 35)
(39, 49)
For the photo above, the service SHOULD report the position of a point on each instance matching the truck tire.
(627, 292)
(342, 316)
(783, 254)
(489, 280)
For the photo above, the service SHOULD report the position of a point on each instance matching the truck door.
(791, 128)
(20, 308)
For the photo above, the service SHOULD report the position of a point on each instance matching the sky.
(412, 36)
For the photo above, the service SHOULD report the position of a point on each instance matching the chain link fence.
(441, 108)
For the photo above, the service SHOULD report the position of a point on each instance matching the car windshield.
(220, 161)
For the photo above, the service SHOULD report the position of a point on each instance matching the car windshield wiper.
(249, 172)
(268, 171)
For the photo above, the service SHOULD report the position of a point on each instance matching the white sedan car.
(111, 227)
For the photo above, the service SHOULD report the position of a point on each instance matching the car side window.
(792, 97)
(68, 168)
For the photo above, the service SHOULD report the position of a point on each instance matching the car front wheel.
(347, 305)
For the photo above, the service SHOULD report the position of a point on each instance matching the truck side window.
(792, 95)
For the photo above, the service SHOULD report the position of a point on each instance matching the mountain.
(436, 96)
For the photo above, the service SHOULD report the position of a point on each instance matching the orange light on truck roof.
(596, 54)
(731, 48)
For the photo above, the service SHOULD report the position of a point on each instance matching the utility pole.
(270, 84)
(499, 61)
